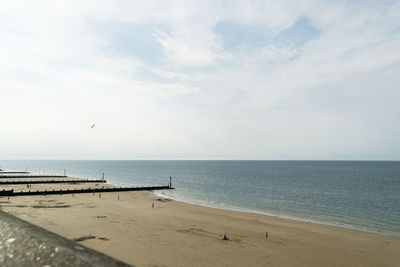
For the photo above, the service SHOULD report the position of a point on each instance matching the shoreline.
(124, 225)
(347, 208)
(286, 217)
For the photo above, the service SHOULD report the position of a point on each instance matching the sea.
(361, 195)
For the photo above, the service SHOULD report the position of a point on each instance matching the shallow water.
(364, 195)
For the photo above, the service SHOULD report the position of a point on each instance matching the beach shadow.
(204, 233)
(50, 200)
(198, 232)
(83, 238)
(163, 199)
(43, 204)
(16, 206)
(87, 237)
(50, 206)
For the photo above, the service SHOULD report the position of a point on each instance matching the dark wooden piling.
(1, 172)
(31, 176)
(52, 182)
(82, 191)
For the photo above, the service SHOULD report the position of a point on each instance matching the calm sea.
(363, 195)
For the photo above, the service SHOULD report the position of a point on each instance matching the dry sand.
(179, 234)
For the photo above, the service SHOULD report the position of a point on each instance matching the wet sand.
(179, 234)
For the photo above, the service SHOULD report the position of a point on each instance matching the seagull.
(93, 125)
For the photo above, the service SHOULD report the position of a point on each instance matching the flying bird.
(93, 125)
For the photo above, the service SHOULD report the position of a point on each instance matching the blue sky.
(200, 79)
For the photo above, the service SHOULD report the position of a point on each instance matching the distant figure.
(170, 181)
(99, 195)
(225, 238)
(118, 197)
(266, 235)
(152, 205)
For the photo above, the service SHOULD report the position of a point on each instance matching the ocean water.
(363, 195)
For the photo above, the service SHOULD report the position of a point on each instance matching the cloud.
(190, 50)
(252, 79)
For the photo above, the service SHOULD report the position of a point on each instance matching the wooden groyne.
(52, 182)
(12, 193)
(1, 172)
(32, 176)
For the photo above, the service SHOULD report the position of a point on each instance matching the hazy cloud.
(200, 79)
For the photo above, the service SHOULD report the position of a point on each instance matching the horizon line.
(191, 159)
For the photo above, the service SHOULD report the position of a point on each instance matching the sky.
(273, 80)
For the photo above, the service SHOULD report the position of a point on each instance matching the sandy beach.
(124, 225)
